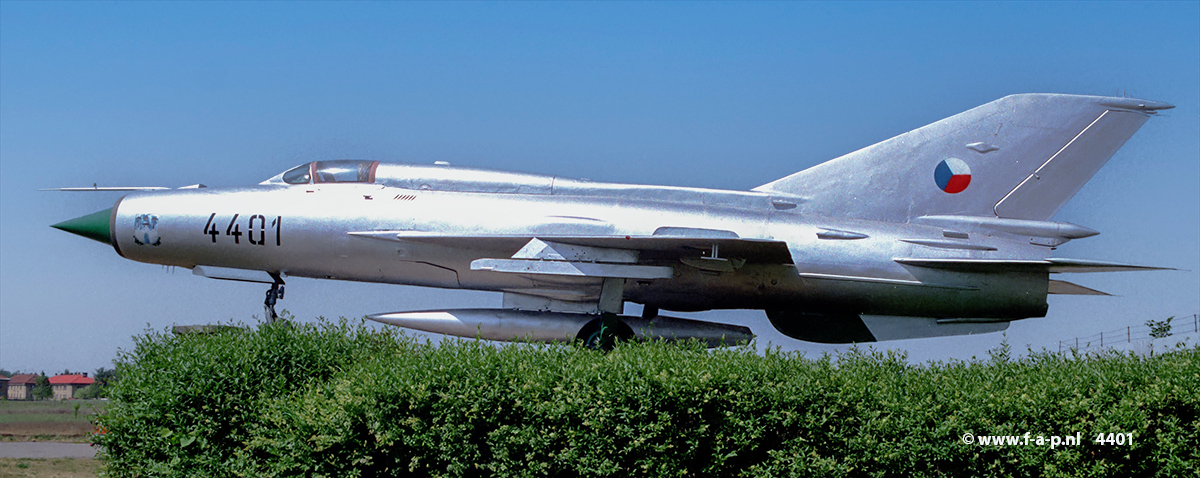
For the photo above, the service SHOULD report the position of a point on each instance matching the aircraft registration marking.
(256, 224)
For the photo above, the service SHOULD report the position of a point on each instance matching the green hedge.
(342, 399)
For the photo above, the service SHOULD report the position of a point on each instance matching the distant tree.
(105, 376)
(6, 373)
(41, 388)
(1160, 328)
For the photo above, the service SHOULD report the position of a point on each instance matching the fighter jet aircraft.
(944, 230)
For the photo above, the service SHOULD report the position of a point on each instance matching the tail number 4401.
(256, 229)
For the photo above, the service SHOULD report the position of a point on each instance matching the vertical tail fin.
(1020, 157)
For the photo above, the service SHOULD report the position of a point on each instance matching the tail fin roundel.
(1019, 157)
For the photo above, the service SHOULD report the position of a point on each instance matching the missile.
(549, 327)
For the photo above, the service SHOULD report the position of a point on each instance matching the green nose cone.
(92, 226)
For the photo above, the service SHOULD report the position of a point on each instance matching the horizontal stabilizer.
(1006, 265)
(1066, 288)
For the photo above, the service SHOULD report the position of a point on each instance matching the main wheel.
(603, 333)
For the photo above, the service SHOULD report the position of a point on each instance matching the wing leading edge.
(751, 250)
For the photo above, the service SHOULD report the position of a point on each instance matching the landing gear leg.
(273, 294)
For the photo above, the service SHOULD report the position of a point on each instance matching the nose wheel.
(273, 294)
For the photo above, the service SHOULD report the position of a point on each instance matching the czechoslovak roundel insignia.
(952, 175)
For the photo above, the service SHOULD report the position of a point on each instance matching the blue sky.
(725, 95)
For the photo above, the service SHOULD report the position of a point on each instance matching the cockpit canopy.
(437, 177)
(335, 171)
(441, 177)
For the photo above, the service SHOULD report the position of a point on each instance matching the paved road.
(46, 449)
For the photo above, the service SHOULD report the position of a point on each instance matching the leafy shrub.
(336, 399)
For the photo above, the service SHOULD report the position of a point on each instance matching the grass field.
(49, 467)
(47, 420)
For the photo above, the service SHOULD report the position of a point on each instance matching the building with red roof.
(64, 386)
(20, 386)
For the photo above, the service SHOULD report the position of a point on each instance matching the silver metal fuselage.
(836, 265)
(943, 230)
